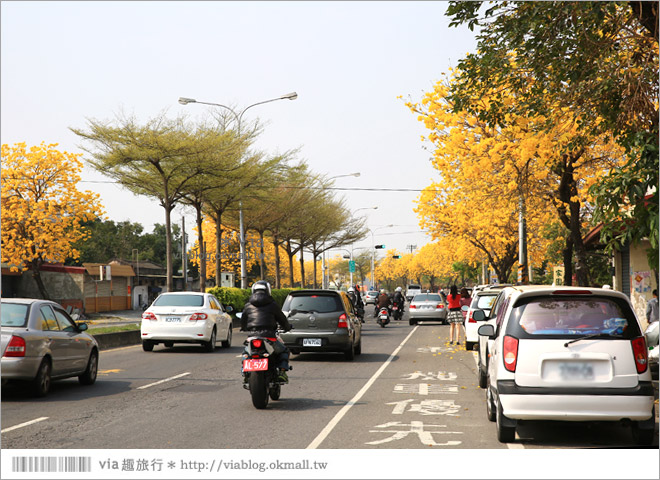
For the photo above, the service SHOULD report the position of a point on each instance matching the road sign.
(351, 266)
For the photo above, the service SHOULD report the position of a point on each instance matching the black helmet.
(261, 285)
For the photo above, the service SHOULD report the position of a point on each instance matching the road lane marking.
(344, 410)
(36, 420)
(163, 381)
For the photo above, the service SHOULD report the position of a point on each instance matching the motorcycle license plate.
(311, 342)
(383, 317)
(255, 364)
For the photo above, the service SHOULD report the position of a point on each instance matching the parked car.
(371, 297)
(186, 317)
(568, 354)
(412, 290)
(651, 335)
(323, 321)
(482, 300)
(427, 306)
(41, 343)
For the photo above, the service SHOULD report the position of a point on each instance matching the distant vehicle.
(40, 343)
(371, 297)
(323, 321)
(567, 354)
(412, 290)
(186, 317)
(482, 300)
(427, 306)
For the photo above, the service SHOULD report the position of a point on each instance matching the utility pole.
(184, 258)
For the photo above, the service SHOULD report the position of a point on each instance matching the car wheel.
(482, 374)
(227, 343)
(642, 434)
(41, 383)
(295, 352)
(210, 345)
(169, 344)
(89, 377)
(412, 322)
(358, 347)
(505, 433)
(147, 345)
(469, 346)
(490, 404)
(349, 353)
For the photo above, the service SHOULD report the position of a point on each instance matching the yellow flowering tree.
(42, 208)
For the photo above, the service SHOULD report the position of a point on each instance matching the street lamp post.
(186, 101)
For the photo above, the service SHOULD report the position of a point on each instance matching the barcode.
(51, 464)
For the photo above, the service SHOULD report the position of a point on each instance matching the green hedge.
(237, 297)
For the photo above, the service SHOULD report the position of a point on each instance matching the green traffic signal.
(396, 256)
(379, 246)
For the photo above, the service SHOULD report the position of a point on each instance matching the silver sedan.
(427, 306)
(41, 342)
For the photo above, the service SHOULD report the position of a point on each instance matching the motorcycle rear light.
(198, 316)
(149, 316)
(342, 321)
(15, 347)
(257, 343)
(510, 351)
(640, 353)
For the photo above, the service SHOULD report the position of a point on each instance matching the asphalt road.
(408, 389)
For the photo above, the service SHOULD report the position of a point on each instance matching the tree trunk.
(262, 267)
(290, 254)
(568, 263)
(202, 251)
(36, 274)
(276, 244)
(218, 248)
(302, 268)
(168, 246)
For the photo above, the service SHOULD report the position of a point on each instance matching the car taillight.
(641, 354)
(440, 305)
(510, 353)
(342, 321)
(198, 316)
(256, 343)
(15, 347)
(413, 307)
(470, 319)
(149, 316)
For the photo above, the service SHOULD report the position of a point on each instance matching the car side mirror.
(486, 331)
(479, 315)
(82, 327)
(229, 308)
(465, 308)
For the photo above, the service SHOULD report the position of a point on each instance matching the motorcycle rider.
(398, 299)
(356, 298)
(261, 316)
(384, 300)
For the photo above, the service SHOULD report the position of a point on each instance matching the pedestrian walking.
(454, 317)
(652, 308)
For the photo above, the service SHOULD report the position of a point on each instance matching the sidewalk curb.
(107, 341)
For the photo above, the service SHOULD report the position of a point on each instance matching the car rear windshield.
(483, 302)
(414, 287)
(573, 317)
(427, 297)
(318, 303)
(179, 301)
(13, 314)
(372, 294)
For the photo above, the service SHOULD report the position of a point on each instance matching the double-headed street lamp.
(186, 101)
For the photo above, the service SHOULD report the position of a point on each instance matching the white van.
(412, 290)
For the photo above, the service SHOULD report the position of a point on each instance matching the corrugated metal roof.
(116, 270)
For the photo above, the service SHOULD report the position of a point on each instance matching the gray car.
(40, 343)
(427, 306)
(323, 321)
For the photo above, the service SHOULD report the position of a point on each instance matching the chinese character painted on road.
(431, 376)
(402, 430)
(425, 389)
(426, 407)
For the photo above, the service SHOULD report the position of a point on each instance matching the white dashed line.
(36, 420)
(163, 381)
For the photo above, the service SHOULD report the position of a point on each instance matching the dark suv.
(323, 321)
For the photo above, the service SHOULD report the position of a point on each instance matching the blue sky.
(65, 62)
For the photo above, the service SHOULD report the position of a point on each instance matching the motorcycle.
(397, 312)
(260, 369)
(383, 317)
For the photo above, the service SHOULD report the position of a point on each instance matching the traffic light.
(396, 256)
(379, 246)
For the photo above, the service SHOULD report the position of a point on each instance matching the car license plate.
(173, 319)
(311, 342)
(572, 371)
(255, 364)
